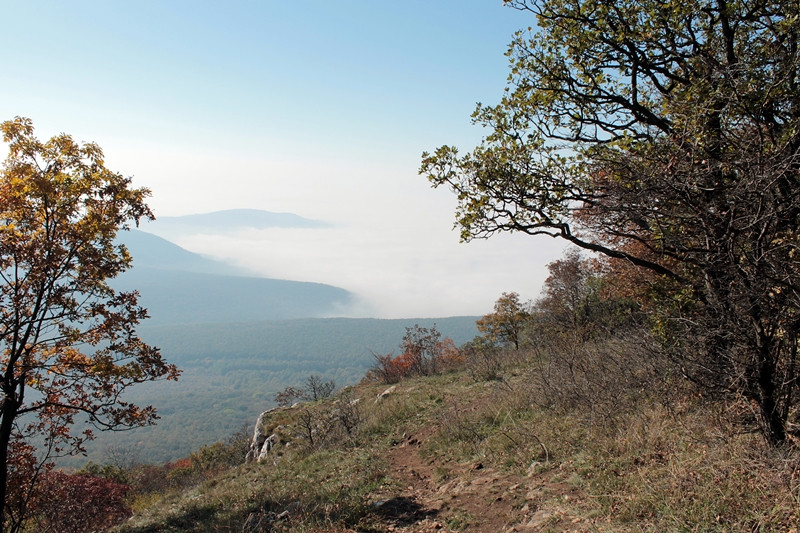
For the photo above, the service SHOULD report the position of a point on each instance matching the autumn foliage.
(68, 341)
(424, 353)
(77, 503)
(508, 321)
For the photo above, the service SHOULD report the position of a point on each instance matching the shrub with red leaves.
(77, 503)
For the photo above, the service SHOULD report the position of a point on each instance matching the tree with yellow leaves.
(68, 342)
(508, 321)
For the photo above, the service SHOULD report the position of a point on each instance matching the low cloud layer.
(396, 271)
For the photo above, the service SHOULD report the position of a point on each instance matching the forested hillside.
(180, 287)
(237, 339)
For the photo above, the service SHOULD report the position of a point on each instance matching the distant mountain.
(152, 252)
(180, 287)
(221, 222)
(239, 341)
(179, 297)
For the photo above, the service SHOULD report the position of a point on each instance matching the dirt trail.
(469, 497)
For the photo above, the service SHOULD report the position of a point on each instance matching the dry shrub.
(331, 424)
(483, 361)
(75, 503)
(598, 378)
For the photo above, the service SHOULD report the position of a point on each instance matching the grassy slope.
(452, 453)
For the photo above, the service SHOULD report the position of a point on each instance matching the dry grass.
(657, 464)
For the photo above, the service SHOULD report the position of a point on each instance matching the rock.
(386, 393)
(259, 437)
(269, 443)
(540, 519)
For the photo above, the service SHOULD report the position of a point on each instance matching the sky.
(319, 108)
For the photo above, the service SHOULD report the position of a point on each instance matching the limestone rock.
(260, 439)
(386, 393)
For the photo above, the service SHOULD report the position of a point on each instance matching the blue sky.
(319, 108)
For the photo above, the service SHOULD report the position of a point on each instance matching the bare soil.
(436, 497)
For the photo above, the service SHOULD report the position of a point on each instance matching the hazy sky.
(320, 108)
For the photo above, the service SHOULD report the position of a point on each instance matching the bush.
(315, 389)
(424, 353)
(596, 377)
(483, 359)
(77, 503)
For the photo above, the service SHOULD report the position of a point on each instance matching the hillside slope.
(455, 454)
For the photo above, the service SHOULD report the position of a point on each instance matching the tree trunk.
(772, 418)
(8, 413)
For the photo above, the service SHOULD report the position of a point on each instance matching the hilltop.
(566, 414)
(557, 417)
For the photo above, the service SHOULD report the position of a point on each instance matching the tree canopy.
(507, 323)
(68, 342)
(665, 134)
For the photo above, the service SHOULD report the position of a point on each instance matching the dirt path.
(436, 497)
(449, 497)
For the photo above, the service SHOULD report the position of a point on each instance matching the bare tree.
(316, 388)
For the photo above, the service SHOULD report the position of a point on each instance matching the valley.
(238, 340)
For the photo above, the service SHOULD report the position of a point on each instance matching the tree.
(68, 341)
(508, 321)
(424, 353)
(665, 134)
(288, 396)
(582, 297)
(566, 291)
(317, 388)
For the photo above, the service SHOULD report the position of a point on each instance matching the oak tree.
(666, 134)
(68, 341)
(422, 348)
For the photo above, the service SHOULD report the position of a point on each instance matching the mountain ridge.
(229, 220)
